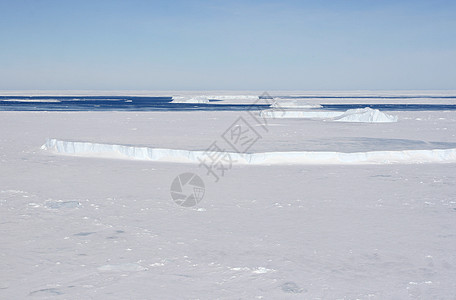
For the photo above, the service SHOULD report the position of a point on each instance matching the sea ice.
(195, 99)
(234, 97)
(62, 204)
(265, 158)
(323, 229)
(293, 103)
(291, 287)
(365, 115)
(31, 100)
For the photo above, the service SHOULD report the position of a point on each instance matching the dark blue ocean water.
(121, 103)
(114, 103)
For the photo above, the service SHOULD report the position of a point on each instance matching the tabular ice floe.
(362, 115)
(205, 98)
(195, 99)
(32, 100)
(234, 97)
(292, 103)
(266, 158)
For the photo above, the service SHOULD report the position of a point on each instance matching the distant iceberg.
(205, 98)
(292, 103)
(195, 99)
(266, 158)
(365, 115)
(234, 97)
(31, 100)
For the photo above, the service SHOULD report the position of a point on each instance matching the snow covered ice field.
(77, 227)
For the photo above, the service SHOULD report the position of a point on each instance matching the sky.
(227, 45)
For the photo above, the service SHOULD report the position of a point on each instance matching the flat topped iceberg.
(264, 158)
(195, 99)
(365, 115)
(234, 97)
(31, 100)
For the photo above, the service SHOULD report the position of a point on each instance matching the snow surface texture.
(86, 228)
(196, 99)
(188, 156)
(366, 115)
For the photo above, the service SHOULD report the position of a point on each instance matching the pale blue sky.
(256, 45)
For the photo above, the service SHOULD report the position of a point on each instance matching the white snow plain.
(95, 228)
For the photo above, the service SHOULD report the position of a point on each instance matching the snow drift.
(366, 115)
(296, 157)
(196, 99)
